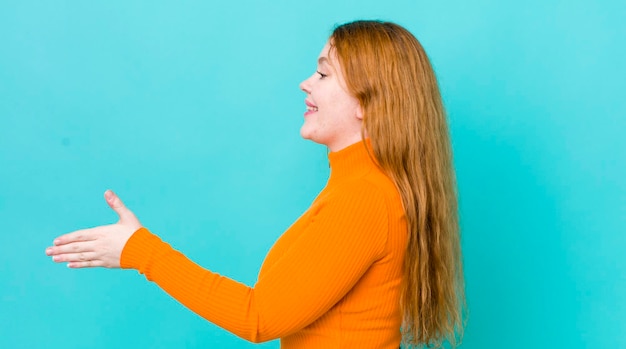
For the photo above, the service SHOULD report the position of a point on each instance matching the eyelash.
(322, 75)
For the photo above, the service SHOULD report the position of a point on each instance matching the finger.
(75, 257)
(118, 206)
(85, 264)
(74, 247)
(79, 235)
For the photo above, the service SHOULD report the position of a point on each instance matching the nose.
(306, 85)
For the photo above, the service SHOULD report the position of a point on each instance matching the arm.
(329, 256)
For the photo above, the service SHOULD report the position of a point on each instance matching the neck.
(353, 160)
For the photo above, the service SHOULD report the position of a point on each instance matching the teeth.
(311, 108)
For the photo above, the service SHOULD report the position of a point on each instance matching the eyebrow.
(323, 60)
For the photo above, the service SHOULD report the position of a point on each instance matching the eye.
(322, 75)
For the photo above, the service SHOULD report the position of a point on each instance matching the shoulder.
(371, 193)
(376, 181)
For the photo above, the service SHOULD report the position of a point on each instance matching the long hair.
(388, 71)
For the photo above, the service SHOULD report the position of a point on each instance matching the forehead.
(326, 56)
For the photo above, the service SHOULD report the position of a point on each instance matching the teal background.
(191, 111)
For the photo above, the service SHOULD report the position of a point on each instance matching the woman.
(377, 251)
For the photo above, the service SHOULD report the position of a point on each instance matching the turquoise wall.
(191, 110)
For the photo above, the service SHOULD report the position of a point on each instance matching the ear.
(359, 112)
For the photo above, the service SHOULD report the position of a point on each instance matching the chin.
(310, 137)
(306, 133)
(303, 135)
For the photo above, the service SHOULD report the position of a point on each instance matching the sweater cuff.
(138, 249)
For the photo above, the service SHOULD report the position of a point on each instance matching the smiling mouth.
(311, 108)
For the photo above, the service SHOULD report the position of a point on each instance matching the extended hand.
(100, 246)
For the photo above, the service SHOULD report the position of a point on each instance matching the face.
(333, 116)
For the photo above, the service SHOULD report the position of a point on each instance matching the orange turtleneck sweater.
(332, 280)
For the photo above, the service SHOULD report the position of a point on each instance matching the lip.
(309, 104)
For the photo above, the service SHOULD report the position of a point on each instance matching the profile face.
(333, 116)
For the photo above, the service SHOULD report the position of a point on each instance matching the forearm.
(223, 301)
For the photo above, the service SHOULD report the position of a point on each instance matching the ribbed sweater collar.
(350, 161)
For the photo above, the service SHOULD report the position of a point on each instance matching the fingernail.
(48, 251)
(57, 241)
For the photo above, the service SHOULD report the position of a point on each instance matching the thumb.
(126, 216)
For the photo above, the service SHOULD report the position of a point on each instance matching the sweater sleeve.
(331, 253)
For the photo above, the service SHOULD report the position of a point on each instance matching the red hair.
(388, 71)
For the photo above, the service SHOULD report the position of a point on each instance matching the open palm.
(100, 246)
